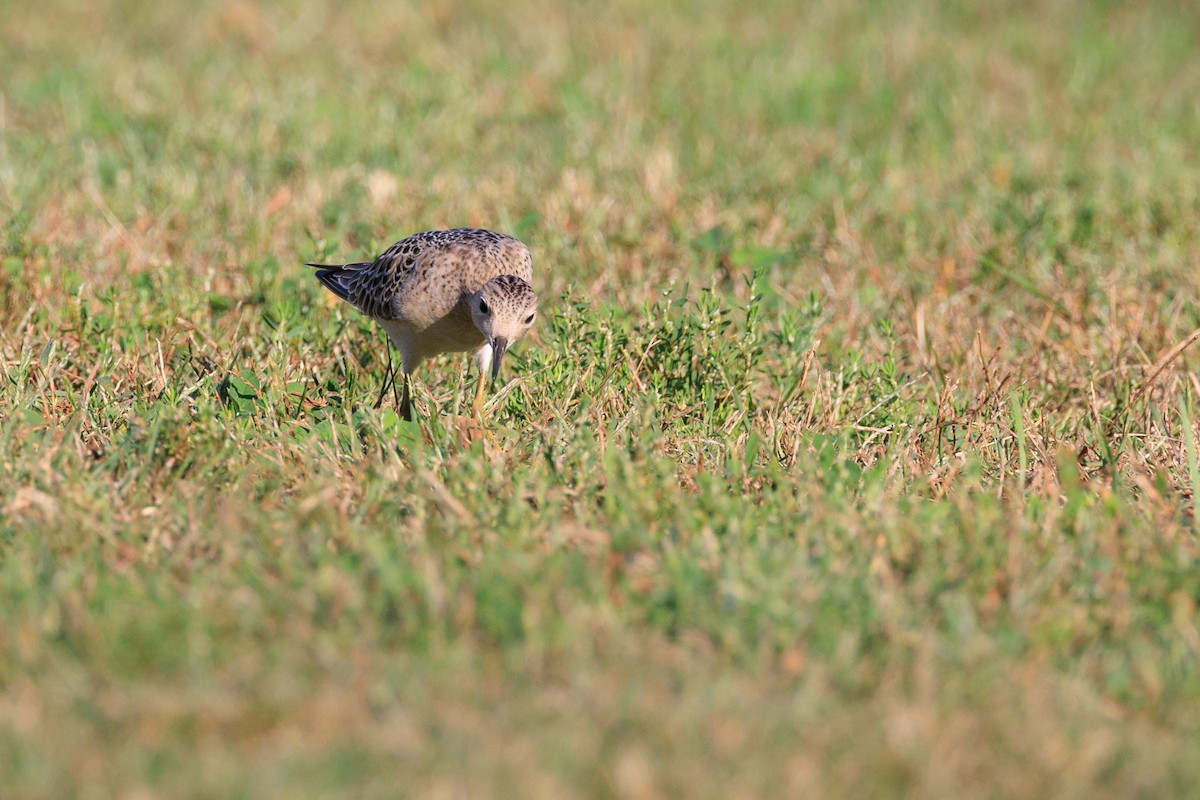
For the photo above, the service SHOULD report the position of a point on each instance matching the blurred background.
(224, 138)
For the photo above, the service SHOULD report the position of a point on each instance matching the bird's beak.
(499, 345)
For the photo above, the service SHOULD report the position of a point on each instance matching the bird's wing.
(339, 278)
(377, 287)
(371, 286)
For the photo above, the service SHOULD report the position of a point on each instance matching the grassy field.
(854, 453)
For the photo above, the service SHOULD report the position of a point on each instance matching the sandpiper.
(449, 291)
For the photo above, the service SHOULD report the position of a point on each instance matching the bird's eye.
(529, 320)
(483, 309)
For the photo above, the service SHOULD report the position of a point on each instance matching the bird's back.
(424, 277)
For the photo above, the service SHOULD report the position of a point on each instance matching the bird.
(443, 291)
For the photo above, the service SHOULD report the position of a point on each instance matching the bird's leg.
(483, 360)
(395, 396)
(386, 373)
(405, 400)
(477, 406)
(470, 432)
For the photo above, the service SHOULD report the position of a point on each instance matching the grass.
(853, 454)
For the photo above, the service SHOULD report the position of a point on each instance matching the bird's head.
(504, 310)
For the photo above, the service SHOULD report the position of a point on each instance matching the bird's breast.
(426, 335)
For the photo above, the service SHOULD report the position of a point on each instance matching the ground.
(853, 455)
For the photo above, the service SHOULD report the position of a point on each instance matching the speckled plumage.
(447, 291)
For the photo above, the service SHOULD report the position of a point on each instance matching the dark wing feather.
(336, 277)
